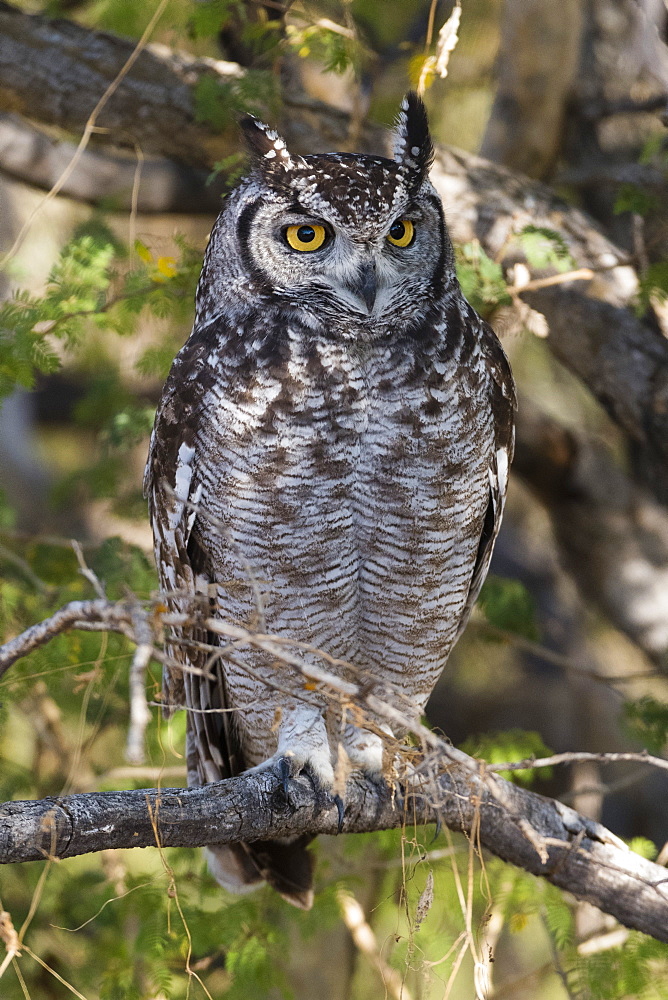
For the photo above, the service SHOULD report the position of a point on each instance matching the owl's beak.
(365, 285)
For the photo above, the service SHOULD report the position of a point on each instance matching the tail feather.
(286, 866)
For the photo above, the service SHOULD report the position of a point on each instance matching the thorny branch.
(538, 834)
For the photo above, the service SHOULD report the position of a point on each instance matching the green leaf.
(208, 18)
(653, 283)
(481, 279)
(511, 745)
(213, 103)
(545, 248)
(508, 605)
(632, 198)
(644, 847)
(647, 722)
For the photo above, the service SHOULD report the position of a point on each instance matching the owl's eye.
(401, 233)
(305, 237)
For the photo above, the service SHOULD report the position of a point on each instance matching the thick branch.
(56, 70)
(623, 362)
(104, 176)
(538, 834)
(582, 857)
(612, 535)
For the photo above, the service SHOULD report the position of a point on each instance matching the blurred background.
(553, 166)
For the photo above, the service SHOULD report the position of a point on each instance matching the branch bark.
(581, 856)
(538, 834)
(104, 176)
(56, 70)
(624, 363)
(612, 535)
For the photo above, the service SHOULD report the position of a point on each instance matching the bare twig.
(77, 614)
(535, 833)
(580, 274)
(87, 572)
(140, 715)
(10, 939)
(577, 757)
(582, 857)
(365, 941)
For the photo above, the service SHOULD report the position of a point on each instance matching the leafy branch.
(94, 280)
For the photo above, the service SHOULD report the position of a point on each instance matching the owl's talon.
(284, 774)
(436, 831)
(341, 810)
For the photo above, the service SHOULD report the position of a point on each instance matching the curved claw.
(285, 773)
(341, 810)
(436, 831)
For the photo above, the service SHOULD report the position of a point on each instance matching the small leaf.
(632, 198)
(647, 722)
(545, 247)
(508, 605)
(143, 252)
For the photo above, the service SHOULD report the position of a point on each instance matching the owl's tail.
(286, 865)
(213, 751)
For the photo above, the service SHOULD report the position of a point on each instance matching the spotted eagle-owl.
(329, 462)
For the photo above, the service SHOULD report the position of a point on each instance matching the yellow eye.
(305, 237)
(401, 233)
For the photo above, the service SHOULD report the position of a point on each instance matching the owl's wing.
(503, 403)
(173, 487)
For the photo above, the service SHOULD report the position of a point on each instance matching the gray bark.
(537, 64)
(612, 535)
(581, 856)
(624, 363)
(163, 185)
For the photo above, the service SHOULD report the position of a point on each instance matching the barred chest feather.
(353, 482)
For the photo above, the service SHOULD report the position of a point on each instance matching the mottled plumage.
(335, 435)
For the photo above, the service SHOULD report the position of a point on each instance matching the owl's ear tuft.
(413, 147)
(265, 145)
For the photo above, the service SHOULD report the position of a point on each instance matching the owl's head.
(351, 242)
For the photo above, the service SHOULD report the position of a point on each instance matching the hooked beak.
(364, 285)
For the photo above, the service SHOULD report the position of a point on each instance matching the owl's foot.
(365, 751)
(288, 766)
(338, 802)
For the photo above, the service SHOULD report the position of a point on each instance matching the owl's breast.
(352, 490)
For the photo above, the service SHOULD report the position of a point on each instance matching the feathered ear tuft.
(413, 147)
(265, 145)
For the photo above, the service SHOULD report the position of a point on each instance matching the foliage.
(94, 283)
(216, 102)
(647, 722)
(481, 279)
(545, 248)
(513, 745)
(509, 606)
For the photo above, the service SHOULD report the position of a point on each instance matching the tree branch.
(581, 856)
(103, 175)
(612, 534)
(56, 70)
(538, 834)
(623, 362)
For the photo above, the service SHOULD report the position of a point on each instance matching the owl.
(328, 465)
